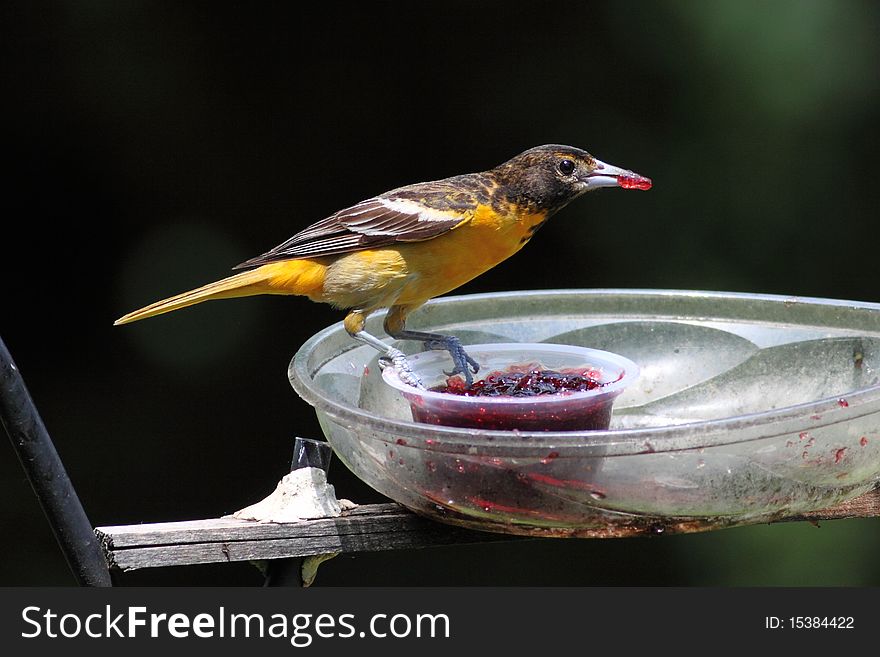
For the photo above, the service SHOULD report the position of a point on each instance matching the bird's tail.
(304, 277)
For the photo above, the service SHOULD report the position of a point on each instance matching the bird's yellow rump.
(406, 246)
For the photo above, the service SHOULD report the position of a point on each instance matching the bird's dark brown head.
(548, 177)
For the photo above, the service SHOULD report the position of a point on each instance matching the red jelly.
(514, 400)
(531, 387)
(518, 382)
(634, 182)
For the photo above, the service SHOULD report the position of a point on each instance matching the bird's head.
(549, 177)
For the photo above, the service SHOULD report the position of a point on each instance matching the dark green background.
(156, 144)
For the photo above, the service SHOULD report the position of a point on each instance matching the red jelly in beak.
(634, 182)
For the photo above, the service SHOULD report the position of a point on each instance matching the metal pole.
(48, 478)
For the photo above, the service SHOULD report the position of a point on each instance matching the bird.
(401, 248)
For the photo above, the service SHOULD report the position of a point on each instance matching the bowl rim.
(608, 442)
(599, 357)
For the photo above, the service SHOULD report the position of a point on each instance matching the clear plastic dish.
(589, 410)
(748, 408)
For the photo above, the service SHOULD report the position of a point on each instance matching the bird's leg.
(354, 324)
(395, 356)
(462, 362)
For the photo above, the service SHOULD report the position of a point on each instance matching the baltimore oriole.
(399, 249)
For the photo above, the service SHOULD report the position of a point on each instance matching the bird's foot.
(396, 358)
(462, 362)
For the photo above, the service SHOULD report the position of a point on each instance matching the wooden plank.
(367, 528)
(232, 529)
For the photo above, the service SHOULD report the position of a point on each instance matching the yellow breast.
(440, 265)
(412, 273)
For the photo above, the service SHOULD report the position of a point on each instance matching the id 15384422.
(809, 623)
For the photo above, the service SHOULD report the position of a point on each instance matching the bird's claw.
(396, 358)
(463, 363)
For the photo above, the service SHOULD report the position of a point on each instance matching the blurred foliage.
(158, 144)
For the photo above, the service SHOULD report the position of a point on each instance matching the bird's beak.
(608, 175)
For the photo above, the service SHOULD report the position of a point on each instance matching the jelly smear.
(634, 181)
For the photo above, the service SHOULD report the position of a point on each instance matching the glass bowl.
(587, 410)
(748, 408)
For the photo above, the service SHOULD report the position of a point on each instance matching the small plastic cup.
(311, 453)
(564, 411)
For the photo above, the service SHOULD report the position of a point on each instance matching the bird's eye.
(566, 167)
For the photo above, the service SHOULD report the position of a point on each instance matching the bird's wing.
(409, 214)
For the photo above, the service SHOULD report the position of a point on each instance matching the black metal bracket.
(48, 478)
